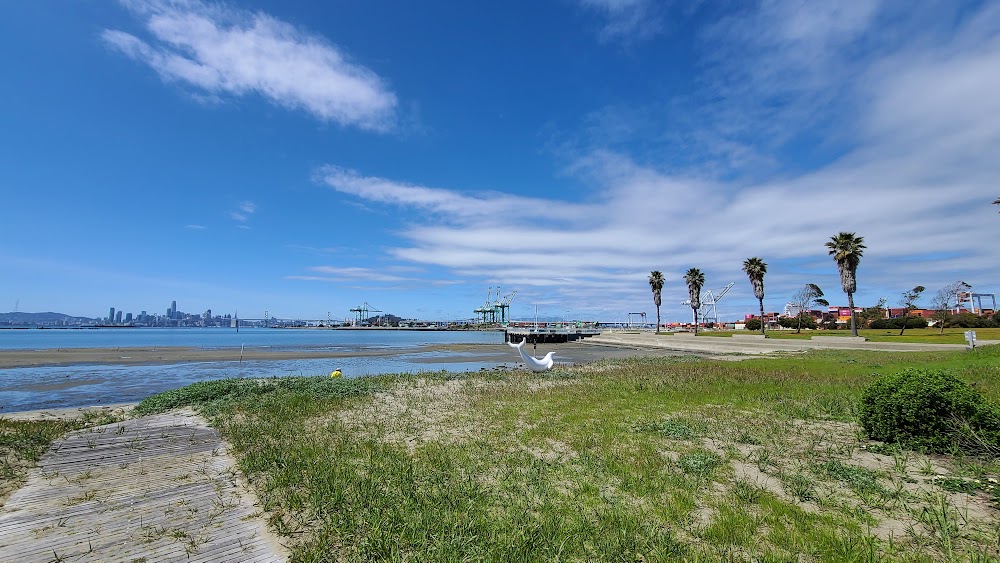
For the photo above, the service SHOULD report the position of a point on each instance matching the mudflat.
(573, 352)
(166, 355)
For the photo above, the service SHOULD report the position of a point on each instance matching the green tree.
(807, 298)
(656, 284)
(847, 249)
(946, 300)
(909, 302)
(695, 280)
(873, 313)
(755, 269)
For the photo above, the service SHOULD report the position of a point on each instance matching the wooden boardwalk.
(157, 488)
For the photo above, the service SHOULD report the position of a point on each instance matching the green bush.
(929, 409)
(753, 324)
(970, 320)
(793, 322)
(911, 322)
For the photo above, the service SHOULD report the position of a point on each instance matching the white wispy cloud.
(626, 20)
(355, 274)
(243, 211)
(218, 50)
(444, 203)
(915, 177)
(195, 227)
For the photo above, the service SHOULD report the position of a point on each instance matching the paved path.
(157, 488)
(748, 345)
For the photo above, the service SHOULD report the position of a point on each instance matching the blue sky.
(305, 157)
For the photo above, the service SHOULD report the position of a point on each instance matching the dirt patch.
(553, 451)
(425, 410)
(828, 467)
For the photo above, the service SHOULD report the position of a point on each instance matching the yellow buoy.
(335, 373)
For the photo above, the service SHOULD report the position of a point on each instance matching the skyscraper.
(173, 309)
(111, 315)
(118, 318)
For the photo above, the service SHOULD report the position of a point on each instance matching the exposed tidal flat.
(51, 369)
(45, 369)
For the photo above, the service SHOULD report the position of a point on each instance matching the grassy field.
(914, 335)
(638, 460)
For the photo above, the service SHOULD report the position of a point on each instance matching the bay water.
(34, 388)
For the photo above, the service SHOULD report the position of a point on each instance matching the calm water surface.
(83, 385)
(40, 339)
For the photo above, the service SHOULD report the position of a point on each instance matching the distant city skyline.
(307, 157)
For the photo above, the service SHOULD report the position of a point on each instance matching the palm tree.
(847, 249)
(755, 269)
(656, 284)
(694, 280)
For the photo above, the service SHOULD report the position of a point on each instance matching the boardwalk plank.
(161, 487)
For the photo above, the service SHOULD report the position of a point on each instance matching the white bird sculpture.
(533, 363)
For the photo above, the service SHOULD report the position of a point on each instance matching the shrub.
(911, 322)
(753, 324)
(929, 409)
(793, 322)
(970, 320)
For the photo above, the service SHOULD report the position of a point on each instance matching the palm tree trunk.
(850, 303)
(762, 316)
(695, 321)
(657, 319)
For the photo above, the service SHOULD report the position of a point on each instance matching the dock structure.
(156, 488)
(547, 335)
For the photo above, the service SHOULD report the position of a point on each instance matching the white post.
(970, 337)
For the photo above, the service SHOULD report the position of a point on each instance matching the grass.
(647, 459)
(643, 459)
(22, 443)
(912, 335)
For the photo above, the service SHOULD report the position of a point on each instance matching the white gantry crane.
(708, 312)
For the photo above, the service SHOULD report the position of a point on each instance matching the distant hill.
(22, 318)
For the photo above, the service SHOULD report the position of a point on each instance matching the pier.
(547, 335)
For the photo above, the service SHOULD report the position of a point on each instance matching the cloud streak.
(626, 20)
(243, 212)
(915, 179)
(220, 51)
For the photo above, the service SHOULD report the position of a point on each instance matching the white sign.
(970, 337)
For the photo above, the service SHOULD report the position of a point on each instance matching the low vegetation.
(643, 459)
(916, 336)
(932, 410)
(22, 443)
